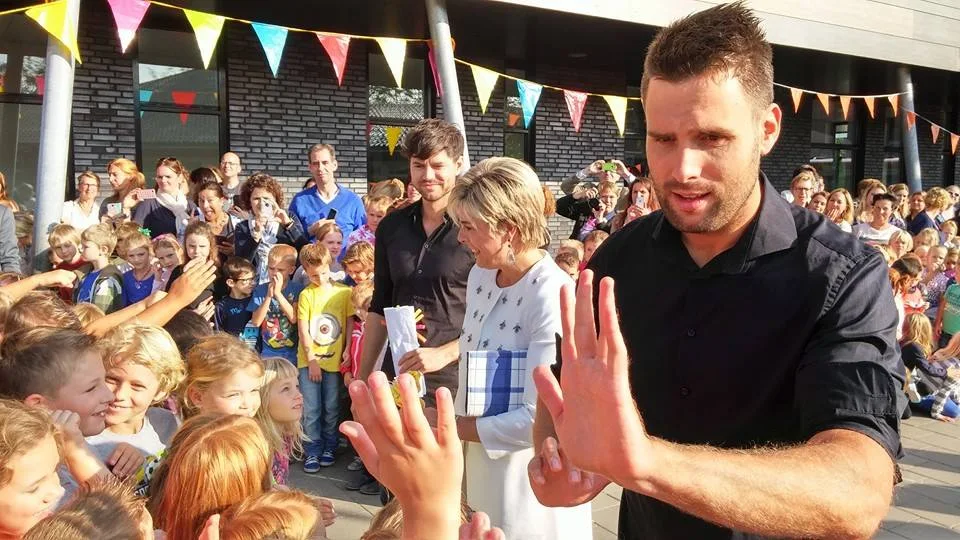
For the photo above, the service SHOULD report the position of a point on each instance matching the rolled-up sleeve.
(851, 375)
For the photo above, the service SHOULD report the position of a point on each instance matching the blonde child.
(928, 237)
(280, 414)
(143, 366)
(104, 509)
(291, 515)
(376, 207)
(103, 284)
(169, 255)
(87, 313)
(360, 297)
(223, 376)
(322, 311)
(939, 393)
(124, 232)
(65, 243)
(274, 305)
(569, 263)
(138, 281)
(590, 244)
(330, 236)
(572, 246)
(358, 262)
(901, 243)
(948, 233)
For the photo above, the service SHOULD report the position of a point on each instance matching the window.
(180, 110)
(516, 138)
(834, 144)
(392, 107)
(893, 172)
(634, 131)
(22, 68)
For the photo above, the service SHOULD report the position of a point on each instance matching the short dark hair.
(429, 137)
(40, 360)
(884, 197)
(187, 328)
(726, 39)
(234, 266)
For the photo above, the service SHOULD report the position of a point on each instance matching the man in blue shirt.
(313, 206)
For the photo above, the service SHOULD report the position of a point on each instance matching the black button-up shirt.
(429, 273)
(788, 333)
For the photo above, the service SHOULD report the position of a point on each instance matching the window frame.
(528, 132)
(856, 147)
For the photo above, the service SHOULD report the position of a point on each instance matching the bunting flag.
(207, 28)
(512, 119)
(894, 102)
(395, 51)
(845, 105)
(825, 101)
(911, 120)
(337, 48)
(485, 80)
(618, 106)
(128, 15)
(953, 143)
(935, 132)
(870, 101)
(41, 83)
(393, 137)
(183, 99)
(54, 19)
(576, 102)
(272, 39)
(146, 96)
(432, 58)
(529, 96)
(797, 95)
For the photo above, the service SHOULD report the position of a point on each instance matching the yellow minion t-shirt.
(325, 311)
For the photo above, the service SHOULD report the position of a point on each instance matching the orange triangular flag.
(870, 103)
(845, 105)
(953, 143)
(894, 102)
(935, 131)
(911, 120)
(825, 101)
(797, 96)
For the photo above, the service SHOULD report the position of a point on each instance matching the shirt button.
(684, 391)
(691, 332)
(420, 271)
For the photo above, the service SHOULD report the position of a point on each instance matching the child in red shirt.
(360, 296)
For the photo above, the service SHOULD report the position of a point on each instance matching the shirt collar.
(772, 230)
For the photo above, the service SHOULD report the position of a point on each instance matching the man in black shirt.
(419, 262)
(745, 380)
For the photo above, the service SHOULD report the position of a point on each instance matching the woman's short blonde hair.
(903, 237)
(927, 237)
(502, 192)
(937, 199)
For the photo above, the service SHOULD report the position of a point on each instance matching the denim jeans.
(321, 411)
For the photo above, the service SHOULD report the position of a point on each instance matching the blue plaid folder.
(495, 381)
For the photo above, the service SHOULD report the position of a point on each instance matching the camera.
(594, 203)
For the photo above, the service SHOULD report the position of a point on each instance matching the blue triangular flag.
(145, 96)
(272, 39)
(529, 96)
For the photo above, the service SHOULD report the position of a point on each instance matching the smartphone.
(609, 166)
(114, 209)
(145, 194)
(332, 214)
(267, 210)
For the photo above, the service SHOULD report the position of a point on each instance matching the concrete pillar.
(447, 68)
(911, 152)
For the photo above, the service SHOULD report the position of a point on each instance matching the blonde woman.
(902, 209)
(512, 318)
(934, 202)
(866, 190)
(840, 209)
(900, 243)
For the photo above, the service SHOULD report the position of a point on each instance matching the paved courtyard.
(927, 504)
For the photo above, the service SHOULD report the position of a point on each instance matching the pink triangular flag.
(895, 103)
(845, 105)
(433, 69)
(953, 143)
(576, 101)
(128, 15)
(337, 48)
(911, 120)
(935, 131)
(183, 99)
(797, 95)
(825, 101)
(870, 102)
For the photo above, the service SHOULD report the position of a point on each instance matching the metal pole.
(54, 140)
(443, 51)
(911, 153)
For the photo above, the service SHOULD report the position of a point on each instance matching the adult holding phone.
(212, 200)
(268, 225)
(125, 178)
(312, 206)
(165, 210)
(643, 201)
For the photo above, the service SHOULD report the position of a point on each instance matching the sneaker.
(358, 482)
(311, 465)
(912, 393)
(326, 459)
(371, 488)
(355, 465)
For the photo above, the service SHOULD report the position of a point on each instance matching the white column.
(447, 68)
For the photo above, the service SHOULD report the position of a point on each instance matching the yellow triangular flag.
(825, 101)
(870, 101)
(618, 106)
(207, 28)
(393, 137)
(845, 105)
(485, 80)
(395, 51)
(894, 102)
(797, 94)
(53, 18)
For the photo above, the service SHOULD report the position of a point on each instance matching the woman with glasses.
(83, 211)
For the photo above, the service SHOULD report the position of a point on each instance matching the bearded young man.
(745, 379)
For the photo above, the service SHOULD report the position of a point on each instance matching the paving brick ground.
(926, 506)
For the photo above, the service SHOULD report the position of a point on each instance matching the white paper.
(402, 335)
